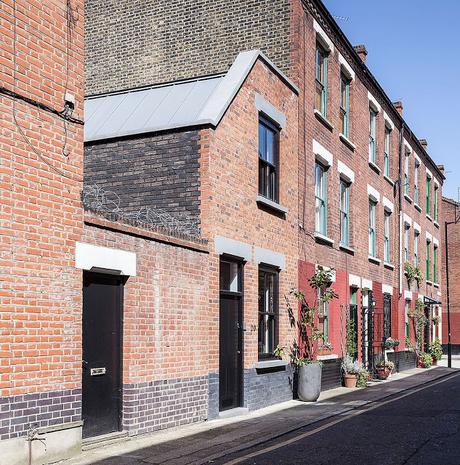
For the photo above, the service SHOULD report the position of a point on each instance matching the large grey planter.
(309, 386)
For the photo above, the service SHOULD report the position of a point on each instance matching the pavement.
(213, 441)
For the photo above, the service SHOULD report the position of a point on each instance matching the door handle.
(84, 363)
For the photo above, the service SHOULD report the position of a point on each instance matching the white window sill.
(271, 204)
(436, 224)
(374, 259)
(270, 364)
(324, 120)
(417, 207)
(430, 283)
(436, 285)
(327, 357)
(388, 265)
(347, 142)
(346, 248)
(322, 238)
(407, 198)
(429, 217)
(388, 180)
(374, 167)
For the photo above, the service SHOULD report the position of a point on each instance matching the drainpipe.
(449, 339)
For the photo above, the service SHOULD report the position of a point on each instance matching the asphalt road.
(419, 427)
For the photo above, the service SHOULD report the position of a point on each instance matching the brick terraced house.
(287, 159)
(450, 215)
(231, 149)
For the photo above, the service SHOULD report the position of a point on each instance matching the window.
(230, 276)
(428, 195)
(435, 263)
(268, 311)
(386, 235)
(406, 317)
(416, 240)
(323, 313)
(321, 80)
(435, 202)
(386, 152)
(320, 199)
(428, 262)
(406, 242)
(345, 104)
(406, 172)
(416, 189)
(268, 160)
(372, 135)
(372, 232)
(344, 212)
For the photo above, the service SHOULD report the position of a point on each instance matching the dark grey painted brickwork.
(159, 170)
(157, 405)
(264, 389)
(132, 43)
(402, 360)
(19, 413)
(213, 399)
(331, 374)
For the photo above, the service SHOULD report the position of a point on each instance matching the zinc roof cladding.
(147, 110)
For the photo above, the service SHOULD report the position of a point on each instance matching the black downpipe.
(400, 178)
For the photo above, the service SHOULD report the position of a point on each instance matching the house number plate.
(98, 371)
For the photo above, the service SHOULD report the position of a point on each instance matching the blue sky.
(414, 52)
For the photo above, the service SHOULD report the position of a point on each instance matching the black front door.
(230, 338)
(101, 393)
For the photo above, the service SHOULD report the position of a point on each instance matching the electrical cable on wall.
(66, 113)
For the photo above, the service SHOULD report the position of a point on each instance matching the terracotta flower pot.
(350, 380)
(435, 361)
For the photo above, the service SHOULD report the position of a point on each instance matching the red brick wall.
(166, 314)
(40, 210)
(229, 170)
(449, 213)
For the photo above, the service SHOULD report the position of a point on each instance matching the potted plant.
(363, 378)
(325, 348)
(435, 351)
(303, 349)
(412, 274)
(391, 343)
(351, 370)
(424, 360)
(384, 369)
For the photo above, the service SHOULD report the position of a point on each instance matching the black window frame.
(266, 269)
(264, 188)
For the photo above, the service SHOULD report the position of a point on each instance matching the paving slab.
(202, 442)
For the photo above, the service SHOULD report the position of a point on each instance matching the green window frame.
(386, 235)
(428, 262)
(372, 135)
(323, 313)
(416, 242)
(435, 202)
(345, 104)
(406, 171)
(416, 188)
(372, 226)
(386, 152)
(344, 189)
(321, 65)
(428, 195)
(406, 242)
(320, 199)
(435, 264)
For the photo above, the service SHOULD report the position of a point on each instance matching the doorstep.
(233, 412)
(104, 440)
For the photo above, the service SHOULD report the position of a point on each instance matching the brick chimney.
(361, 51)
(399, 107)
(441, 168)
(424, 144)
